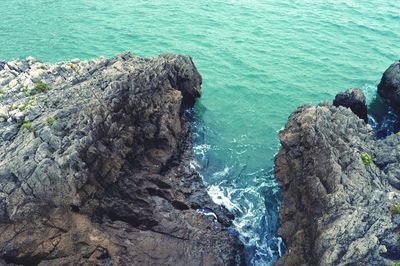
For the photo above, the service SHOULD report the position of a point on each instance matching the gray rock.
(37, 74)
(4, 81)
(98, 168)
(336, 207)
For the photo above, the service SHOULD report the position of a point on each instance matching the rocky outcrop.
(339, 190)
(355, 100)
(389, 87)
(95, 166)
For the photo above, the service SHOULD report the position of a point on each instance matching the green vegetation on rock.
(366, 158)
(25, 91)
(395, 208)
(26, 125)
(72, 66)
(23, 106)
(50, 120)
(11, 107)
(41, 86)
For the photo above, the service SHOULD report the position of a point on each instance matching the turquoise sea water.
(259, 60)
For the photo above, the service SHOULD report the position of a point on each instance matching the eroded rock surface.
(355, 100)
(95, 166)
(336, 208)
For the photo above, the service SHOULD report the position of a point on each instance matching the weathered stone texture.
(336, 208)
(95, 166)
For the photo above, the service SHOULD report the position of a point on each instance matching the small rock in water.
(389, 87)
(355, 100)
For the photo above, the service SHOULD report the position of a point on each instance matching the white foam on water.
(222, 173)
(193, 165)
(201, 150)
(208, 213)
(246, 200)
(219, 197)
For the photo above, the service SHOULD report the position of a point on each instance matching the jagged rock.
(338, 184)
(97, 171)
(355, 100)
(389, 87)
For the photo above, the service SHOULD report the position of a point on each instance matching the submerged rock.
(355, 100)
(95, 166)
(338, 186)
(389, 87)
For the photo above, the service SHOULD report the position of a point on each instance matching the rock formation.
(355, 100)
(95, 166)
(389, 87)
(339, 189)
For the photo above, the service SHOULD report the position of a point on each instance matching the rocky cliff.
(95, 166)
(339, 184)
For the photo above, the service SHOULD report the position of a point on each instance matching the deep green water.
(259, 60)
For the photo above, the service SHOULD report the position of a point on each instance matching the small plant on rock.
(23, 106)
(25, 91)
(50, 120)
(395, 208)
(72, 66)
(366, 158)
(26, 125)
(41, 86)
(12, 107)
(394, 264)
(398, 134)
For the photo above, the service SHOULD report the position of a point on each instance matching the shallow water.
(260, 59)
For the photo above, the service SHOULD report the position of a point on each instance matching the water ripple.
(260, 59)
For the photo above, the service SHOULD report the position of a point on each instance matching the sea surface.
(259, 60)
